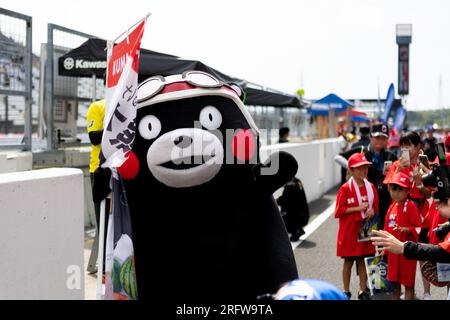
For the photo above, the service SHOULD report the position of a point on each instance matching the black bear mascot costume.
(205, 224)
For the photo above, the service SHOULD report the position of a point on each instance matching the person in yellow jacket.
(94, 123)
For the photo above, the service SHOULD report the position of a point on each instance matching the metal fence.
(17, 68)
(273, 118)
(65, 99)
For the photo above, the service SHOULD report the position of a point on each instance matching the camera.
(442, 231)
(439, 177)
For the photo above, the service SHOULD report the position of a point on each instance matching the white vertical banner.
(118, 136)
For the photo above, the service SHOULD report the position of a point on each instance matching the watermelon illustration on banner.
(120, 271)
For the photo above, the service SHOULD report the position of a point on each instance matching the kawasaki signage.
(70, 63)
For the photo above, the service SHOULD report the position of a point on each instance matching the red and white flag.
(118, 137)
(121, 98)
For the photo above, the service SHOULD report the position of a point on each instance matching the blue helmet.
(309, 289)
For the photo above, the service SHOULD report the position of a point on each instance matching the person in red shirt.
(404, 223)
(437, 220)
(437, 250)
(447, 143)
(411, 167)
(394, 141)
(357, 200)
(416, 251)
(418, 192)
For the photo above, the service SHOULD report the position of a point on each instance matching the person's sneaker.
(363, 295)
(348, 294)
(427, 296)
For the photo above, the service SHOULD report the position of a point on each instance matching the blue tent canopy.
(318, 110)
(360, 119)
(331, 101)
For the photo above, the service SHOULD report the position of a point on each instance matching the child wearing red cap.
(403, 221)
(411, 166)
(357, 200)
(418, 194)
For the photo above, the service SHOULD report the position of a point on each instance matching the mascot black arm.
(275, 172)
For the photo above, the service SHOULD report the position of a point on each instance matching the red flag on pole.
(117, 141)
(121, 95)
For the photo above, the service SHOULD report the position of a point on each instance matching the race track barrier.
(317, 169)
(42, 234)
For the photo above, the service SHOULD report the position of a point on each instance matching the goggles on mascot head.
(154, 85)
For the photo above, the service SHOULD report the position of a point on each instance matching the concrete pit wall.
(42, 234)
(317, 169)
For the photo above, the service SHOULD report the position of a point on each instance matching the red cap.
(401, 179)
(357, 160)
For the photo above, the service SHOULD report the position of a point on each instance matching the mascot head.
(188, 127)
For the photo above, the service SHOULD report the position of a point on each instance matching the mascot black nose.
(183, 141)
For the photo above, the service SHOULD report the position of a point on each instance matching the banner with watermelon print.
(117, 141)
(120, 281)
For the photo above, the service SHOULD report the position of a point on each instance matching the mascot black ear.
(275, 172)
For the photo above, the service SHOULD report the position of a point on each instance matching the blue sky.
(323, 46)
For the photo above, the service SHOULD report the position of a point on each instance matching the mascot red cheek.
(244, 145)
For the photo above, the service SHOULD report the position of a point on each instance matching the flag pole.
(114, 156)
(101, 237)
(126, 31)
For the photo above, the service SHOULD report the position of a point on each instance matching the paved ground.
(90, 281)
(315, 256)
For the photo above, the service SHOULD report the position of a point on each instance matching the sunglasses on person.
(154, 85)
(396, 187)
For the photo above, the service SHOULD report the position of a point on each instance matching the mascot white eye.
(210, 117)
(149, 127)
